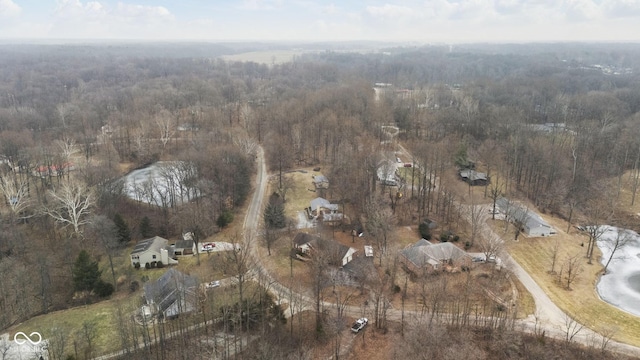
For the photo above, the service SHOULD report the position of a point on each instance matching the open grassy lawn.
(582, 301)
(301, 193)
(71, 321)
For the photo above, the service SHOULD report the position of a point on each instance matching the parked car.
(208, 247)
(213, 284)
(478, 259)
(359, 324)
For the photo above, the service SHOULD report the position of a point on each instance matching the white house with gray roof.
(154, 249)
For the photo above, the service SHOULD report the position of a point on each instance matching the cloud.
(261, 4)
(390, 11)
(132, 12)
(331, 9)
(75, 9)
(580, 10)
(74, 19)
(9, 9)
(621, 8)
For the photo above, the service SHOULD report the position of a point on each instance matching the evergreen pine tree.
(85, 272)
(146, 230)
(124, 235)
(274, 215)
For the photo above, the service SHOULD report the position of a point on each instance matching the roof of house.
(322, 203)
(184, 244)
(423, 252)
(302, 238)
(386, 170)
(472, 175)
(530, 219)
(361, 268)
(173, 292)
(320, 179)
(333, 249)
(155, 243)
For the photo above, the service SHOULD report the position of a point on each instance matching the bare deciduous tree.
(166, 126)
(16, 194)
(623, 237)
(71, 204)
(554, 256)
(571, 328)
(571, 268)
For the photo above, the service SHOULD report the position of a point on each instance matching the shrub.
(134, 286)
(467, 245)
(444, 237)
(103, 289)
(456, 238)
(144, 278)
(159, 264)
(396, 289)
(136, 265)
(224, 219)
(147, 266)
(153, 264)
(424, 230)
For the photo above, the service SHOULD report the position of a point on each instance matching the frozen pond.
(621, 285)
(164, 183)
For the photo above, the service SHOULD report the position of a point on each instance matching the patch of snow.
(621, 285)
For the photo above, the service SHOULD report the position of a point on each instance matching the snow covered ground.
(162, 183)
(621, 285)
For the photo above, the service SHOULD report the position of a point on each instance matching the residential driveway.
(304, 222)
(220, 246)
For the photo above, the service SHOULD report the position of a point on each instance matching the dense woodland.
(109, 110)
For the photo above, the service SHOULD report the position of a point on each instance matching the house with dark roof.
(423, 255)
(155, 249)
(336, 253)
(174, 293)
(184, 247)
(474, 178)
(532, 224)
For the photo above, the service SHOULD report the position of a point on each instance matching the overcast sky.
(313, 20)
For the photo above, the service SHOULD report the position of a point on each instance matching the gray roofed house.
(532, 223)
(337, 254)
(386, 173)
(174, 293)
(185, 247)
(321, 182)
(473, 177)
(323, 209)
(428, 256)
(153, 249)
